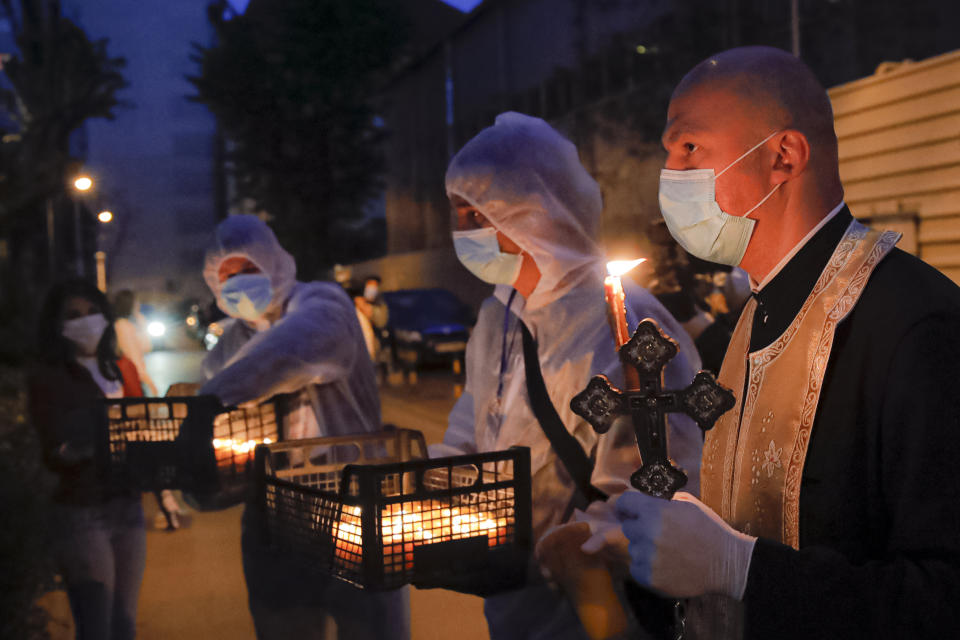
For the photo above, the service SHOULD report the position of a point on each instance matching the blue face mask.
(688, 202)
(247, 295)
(480, 253)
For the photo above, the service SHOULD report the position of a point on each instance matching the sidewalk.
(193, 586)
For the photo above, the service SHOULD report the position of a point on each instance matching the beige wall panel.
(942, 204)
(901, 186)
(930, 156)
(941, 255)
(922, 107)
(902, 137)
(905, 226)
(940, 229)
(906, 82)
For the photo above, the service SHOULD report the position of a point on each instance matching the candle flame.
(238, 446)
(404, 526)
(620, 267)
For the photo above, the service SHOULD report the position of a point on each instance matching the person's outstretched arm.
(317, 341)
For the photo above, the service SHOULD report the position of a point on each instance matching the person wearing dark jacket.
(830, 498)
(99, 541)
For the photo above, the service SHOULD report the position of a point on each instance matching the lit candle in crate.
(238, 453)
(410, 524)
(238, 432)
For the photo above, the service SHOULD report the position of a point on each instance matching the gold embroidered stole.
(753, 458)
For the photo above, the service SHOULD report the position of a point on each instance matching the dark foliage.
(294, 87)
(24, 498)
(58, 79)
(55, 80)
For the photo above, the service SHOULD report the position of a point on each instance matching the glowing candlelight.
(237, 452)
(408, 525)
(617, 268)
(616, 301)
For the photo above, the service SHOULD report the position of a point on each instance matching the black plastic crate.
(373, 511)
(191, 443)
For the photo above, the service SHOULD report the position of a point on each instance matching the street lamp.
(82, 184)
(104, 217)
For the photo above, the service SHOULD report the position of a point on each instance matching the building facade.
(602, 72)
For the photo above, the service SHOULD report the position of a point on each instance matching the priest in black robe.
(831, 492)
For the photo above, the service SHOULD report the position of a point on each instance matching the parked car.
(427, 326)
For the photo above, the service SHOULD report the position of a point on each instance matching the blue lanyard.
(503, 345)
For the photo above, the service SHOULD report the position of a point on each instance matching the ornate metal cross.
(600, 404)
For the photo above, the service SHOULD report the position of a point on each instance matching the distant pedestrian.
(132, 338)
(133, 343)
(374, 305)
(364, 313)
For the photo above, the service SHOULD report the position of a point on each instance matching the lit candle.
(411, 524)
(616, 301)
(235, 452)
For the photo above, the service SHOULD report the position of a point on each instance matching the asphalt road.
(193, 586)
(168, 367)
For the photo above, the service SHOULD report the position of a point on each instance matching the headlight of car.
(156, 329)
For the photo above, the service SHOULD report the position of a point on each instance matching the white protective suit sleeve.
(459, 438)
(305, 346)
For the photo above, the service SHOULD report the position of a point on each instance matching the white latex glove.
(682, 548)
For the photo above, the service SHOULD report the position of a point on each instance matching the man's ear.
(793, 156)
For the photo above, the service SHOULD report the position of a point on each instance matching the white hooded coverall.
(316, 351)
(527, 180)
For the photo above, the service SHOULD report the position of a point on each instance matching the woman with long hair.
(99, 539)
(132, 339)
(133, 343)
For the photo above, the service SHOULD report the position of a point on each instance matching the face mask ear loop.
(765, 198)
(751, 150)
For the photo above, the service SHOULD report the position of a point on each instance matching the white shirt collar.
(787, 258)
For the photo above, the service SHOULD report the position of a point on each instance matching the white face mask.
(247, 295)
(86, 332)
(688, 202)
(479, 252)
(370, 292)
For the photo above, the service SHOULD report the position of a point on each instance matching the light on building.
(105, 216)
(83, 183)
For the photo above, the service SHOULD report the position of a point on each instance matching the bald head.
(762, 122)
(777, 88)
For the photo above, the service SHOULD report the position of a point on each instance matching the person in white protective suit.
(298, 338)
(527, 214)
